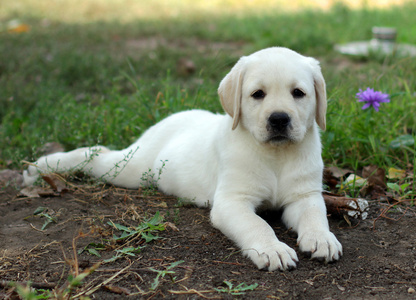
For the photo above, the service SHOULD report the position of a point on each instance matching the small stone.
(411, 291)
(11, 177)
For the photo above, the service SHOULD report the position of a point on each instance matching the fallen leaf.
(56, 183)
(57, 188)
(376, 181)
(338, 172)
(36, 192)
(396, 173)
(406, 140)
(334, 176)
(353, 181)
(375, 176)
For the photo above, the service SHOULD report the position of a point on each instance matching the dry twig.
(344, 206)
(384, 212)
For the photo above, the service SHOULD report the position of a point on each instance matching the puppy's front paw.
(273, 256)
(322, 245)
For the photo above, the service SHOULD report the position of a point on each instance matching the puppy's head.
(276, 94)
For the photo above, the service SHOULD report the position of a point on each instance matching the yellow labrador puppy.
(265, 153)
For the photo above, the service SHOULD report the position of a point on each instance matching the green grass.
(82, 80)
(238, 290)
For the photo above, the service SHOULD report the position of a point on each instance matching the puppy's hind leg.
(78, 159)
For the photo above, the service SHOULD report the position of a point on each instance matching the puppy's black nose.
(279, 121)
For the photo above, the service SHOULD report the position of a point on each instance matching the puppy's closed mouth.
(278, 138)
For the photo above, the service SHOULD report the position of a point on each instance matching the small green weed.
(44, 212)
(162, 274)
(129, 251)
(119, 166)
(184, 202)
(141, 234)
(65, 292)
(145, 229)
(73, 282)
(29, 293)
(236, 290)
(149, 181)
(352, 185)
(93, 248)
(400, 190)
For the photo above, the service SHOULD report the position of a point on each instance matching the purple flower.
(372, 98)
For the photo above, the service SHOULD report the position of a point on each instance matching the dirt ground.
(379, 260)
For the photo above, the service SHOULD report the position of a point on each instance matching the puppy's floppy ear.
(320, 93)
(230, 91)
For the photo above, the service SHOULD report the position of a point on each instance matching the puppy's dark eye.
(258, 95)
(297, 93)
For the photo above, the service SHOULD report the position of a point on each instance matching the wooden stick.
(340, 205)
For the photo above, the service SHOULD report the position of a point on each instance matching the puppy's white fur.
(233, 162)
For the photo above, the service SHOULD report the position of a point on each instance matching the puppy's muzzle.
(278, 126)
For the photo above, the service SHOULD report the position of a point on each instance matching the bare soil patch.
(379, 259)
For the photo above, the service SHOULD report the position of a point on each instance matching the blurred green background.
(100, 72)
